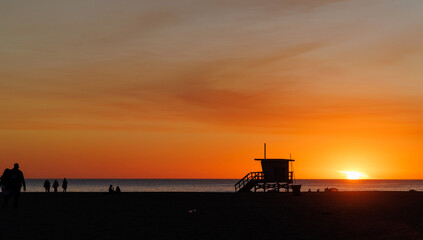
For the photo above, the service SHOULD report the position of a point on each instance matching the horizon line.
(223, 179)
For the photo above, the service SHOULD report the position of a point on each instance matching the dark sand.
(341, 215)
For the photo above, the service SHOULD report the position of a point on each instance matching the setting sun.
(353, 174)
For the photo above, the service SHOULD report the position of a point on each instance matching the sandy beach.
(341, 215)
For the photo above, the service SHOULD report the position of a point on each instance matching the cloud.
(287, 66)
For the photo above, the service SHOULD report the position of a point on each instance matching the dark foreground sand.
(342, 215)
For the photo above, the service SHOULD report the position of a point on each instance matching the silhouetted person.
(47, 185)
(64, 184)
(111, 190)
(17, 180)
(118, 190)
(5, 187)
(55, 185)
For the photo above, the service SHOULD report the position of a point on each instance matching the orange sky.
(188, 89)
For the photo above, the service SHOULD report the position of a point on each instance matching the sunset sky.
(192, 89)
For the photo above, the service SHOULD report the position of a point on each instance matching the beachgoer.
(5, 186)
(17, 180)
(118, 190)
(47, 185)
(111, 190)
(55, 185)
(64, 184)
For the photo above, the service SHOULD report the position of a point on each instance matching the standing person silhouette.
(17, 180)
(64, 184)
(55, 185)
(5, 187)
(47, 185)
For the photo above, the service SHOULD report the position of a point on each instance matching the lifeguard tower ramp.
(276, 175)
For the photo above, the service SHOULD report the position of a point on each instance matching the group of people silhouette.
(13, 180)
(55, 185)
(11, 183)
(112, 190)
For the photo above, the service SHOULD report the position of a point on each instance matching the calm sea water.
(219, 185)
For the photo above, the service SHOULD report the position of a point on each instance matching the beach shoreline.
(184, 215)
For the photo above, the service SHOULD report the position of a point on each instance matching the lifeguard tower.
(276, 174)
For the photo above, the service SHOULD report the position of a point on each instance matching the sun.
(352, 175)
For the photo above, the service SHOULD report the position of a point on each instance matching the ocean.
(220, 185)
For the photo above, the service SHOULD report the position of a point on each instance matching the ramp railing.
(252, 176)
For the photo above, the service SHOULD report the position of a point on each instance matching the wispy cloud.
(270, 64)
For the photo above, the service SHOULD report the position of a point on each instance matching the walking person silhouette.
(47, 185)
(5, 187)
(17, 180)
(55, 185)
(64, 184)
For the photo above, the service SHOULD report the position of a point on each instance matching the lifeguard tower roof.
(273, 159)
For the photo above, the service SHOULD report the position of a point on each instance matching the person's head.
(6, 171)
(16, 165)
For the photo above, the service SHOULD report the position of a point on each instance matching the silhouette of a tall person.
(17, 181)
(5, 187)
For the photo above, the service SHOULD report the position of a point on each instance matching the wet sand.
(341, 215)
